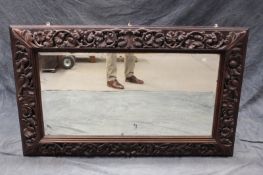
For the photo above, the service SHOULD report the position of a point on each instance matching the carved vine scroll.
(123, 38)
(26, 92)
(232, 42)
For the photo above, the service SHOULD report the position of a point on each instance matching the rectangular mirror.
(177, 96)
(128, 91)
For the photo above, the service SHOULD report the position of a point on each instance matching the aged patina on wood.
(27, 41)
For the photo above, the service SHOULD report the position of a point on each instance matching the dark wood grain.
(230, 43)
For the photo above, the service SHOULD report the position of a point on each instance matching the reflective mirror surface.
(166, 94)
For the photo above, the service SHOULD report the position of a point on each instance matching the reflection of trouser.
(111, 65)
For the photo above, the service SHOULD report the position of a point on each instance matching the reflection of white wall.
(160, 71)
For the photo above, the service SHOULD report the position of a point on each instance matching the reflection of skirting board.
(128, 112)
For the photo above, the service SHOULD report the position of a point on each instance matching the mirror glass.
(128, 94)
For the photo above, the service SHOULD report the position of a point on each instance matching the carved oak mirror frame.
(27, 41)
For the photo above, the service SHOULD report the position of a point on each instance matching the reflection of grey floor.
(127, 113)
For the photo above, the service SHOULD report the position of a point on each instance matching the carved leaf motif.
(118, 38)
(124, 149)
(26, 91)
(127, 39)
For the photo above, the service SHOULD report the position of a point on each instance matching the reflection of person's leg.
(129, 62)
(111, 66)
(111, 60)
(129, 69)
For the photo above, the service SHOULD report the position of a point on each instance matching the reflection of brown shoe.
(135, 80)
(115, 84)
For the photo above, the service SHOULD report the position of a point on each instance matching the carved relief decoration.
(232, 42)
(128, 38)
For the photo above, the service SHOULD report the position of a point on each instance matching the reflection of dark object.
(121, 59)
(135, 125)
(92, 59)
(115, 84)
(68, 62)
(49, 63)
